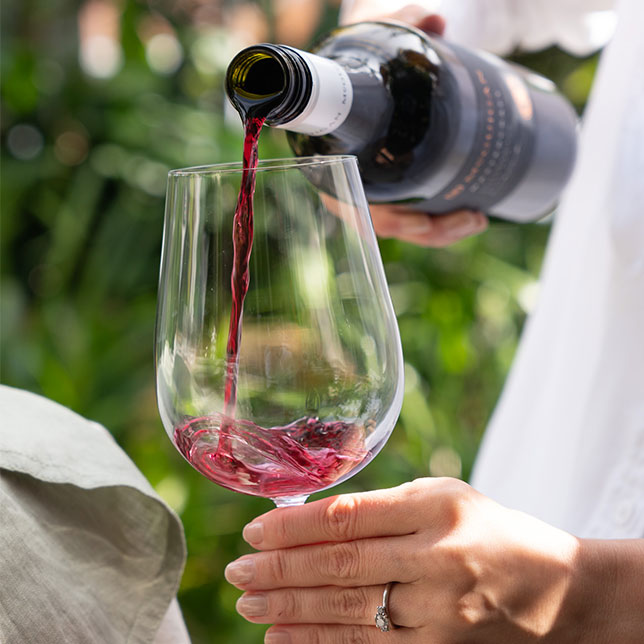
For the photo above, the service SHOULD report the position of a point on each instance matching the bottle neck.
(292, 89)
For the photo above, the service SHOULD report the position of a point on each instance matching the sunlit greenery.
(86, 149)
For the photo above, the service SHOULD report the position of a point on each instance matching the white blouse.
(566, 442)
(500, 26)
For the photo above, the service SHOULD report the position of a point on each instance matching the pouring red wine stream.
(290, 461)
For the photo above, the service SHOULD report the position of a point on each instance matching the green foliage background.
(82, 209)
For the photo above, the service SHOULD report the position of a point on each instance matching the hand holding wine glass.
(463, 567)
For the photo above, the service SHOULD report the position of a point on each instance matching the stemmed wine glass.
(312, 389)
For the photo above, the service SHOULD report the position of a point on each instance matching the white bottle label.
(331, 98)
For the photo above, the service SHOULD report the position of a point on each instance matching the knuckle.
(415, 487)
(288, 605)
(310, 635)
(354, 635)
(341, 517)
(457, 487)
(455, 498)
(414, 494)
(348, 602)
(475, 609)
(278, 568)
(314, 636)
(342, 561)
(279, 530)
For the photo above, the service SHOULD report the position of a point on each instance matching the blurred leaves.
(84, 161)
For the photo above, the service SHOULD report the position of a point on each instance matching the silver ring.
(383, 621)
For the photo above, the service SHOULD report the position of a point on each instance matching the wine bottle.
(433, 124)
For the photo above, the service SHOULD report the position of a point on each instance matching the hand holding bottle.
(421, 228)
(404, 222)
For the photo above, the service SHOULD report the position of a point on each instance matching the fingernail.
(240, 571)
(277, 637)
(252, 605)
(253, 533)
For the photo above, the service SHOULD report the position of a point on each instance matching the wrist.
(606, 594)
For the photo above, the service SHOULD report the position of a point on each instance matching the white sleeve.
(501, 26)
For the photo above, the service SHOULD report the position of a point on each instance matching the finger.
(425, 230)
(332, 605)
(353, 563)
(390, 512)
(333, 634)
(455, 226)
(432, 24)
(419, 17)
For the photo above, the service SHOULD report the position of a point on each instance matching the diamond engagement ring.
(383, 621)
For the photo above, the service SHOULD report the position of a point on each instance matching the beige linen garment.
(88, 551)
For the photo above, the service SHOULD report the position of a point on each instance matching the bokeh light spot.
(164, 53)
(174, 492)
(71, 147)
(25, 142)
(101, 56)
(445, 461)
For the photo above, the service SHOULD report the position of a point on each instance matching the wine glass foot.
(287, 501)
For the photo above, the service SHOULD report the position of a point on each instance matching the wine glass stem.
(287, 501)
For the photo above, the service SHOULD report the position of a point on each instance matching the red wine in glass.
(279, 462)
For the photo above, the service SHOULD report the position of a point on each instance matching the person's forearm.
(606, 602)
